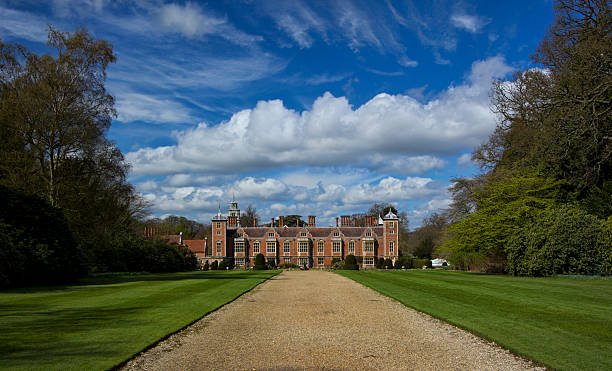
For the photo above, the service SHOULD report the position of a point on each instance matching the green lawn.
(103, 321)
(559, 322)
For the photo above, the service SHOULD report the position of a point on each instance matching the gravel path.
(321, 320)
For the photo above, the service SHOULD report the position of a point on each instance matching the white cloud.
(464, 159)
(405, 164)
(332, 132)
(135, 106)
(407, 62)
(470, 23)
(22, 25)
(188, 20)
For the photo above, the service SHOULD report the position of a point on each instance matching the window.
(271, 234)
(335, 246)
(369, 246)
(270, 247)
(352, 247)
(287, 248)
(302, 246)
(368, 260)
(219, 248)
(320, 247)
(286, 260)
(391, 247)
(336, 233)
(256, 247)
(240, 262)
(369, 234)
(240, 246)
(320, 261)
(303, 261)
(303, 234)
(218, 232)
(218, 225)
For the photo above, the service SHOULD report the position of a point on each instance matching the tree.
(249, 216)
(58, 107)
(558, 120)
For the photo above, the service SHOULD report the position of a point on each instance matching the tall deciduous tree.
(57, 106)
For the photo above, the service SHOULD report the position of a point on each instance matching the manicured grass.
(559, 322)
(103, 321)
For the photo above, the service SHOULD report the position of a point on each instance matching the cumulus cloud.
(332, 132)
(470, 23)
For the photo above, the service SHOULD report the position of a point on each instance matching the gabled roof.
(390, 215)
(196, 246)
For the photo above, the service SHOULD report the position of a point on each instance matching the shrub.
(380, 263)
(560, 241)
(420, 263)
(260, 262)
(214, 266)
(271, 263)
(605, 245)
(335, 260)
(288, 265)
(206, 266)
(350, 263)
(388, 264)
(406, 262)
(397, 264)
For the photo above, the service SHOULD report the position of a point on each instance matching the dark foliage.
(560, 241)
(214, 266)
(37, 247)
(260, 262)
(350, 263)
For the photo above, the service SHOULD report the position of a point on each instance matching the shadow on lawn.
(114, 278)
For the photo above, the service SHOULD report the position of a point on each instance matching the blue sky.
(312, 108)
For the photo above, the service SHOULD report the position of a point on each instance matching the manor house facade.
(309, 245)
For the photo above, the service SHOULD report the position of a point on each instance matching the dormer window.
(369, 234)
(271, 234)
(303, 234)
(336, 234)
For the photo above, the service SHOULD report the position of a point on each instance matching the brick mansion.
(309, 245)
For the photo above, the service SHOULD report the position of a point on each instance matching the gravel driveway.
(321, 320)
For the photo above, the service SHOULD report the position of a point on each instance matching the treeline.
(543, 204)
(173, 225)
(67, 206)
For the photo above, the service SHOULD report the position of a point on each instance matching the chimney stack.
(281, 221)
(254, 222)
(311, 221)
(336, 222)
(354, 222)
(272, 223)
(298, 221)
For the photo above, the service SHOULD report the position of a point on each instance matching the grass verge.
(103, 321)
(559, 322)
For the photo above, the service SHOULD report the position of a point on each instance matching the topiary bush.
(350, 263)
(214, 266)
(561, 240)
(397, 264)
(260, 262)
(206, 266)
